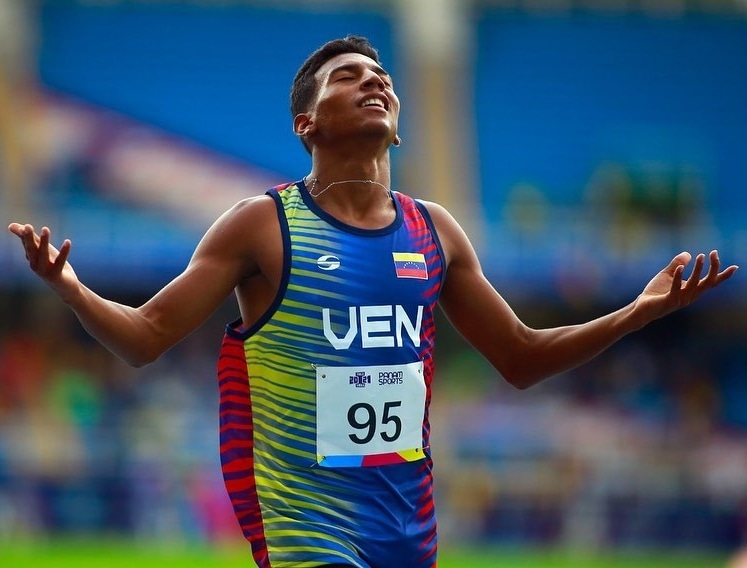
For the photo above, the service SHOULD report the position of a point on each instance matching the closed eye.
(352, 71)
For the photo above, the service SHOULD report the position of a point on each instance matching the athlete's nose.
(373, 81)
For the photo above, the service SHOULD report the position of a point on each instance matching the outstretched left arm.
(525, 356)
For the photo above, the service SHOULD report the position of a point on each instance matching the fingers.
(714, 269)
(61, 259)
(44, 259)
(696, 285)
(29, 240)
(715, 275)
(15, 228)
(727, 273)
(24, 232)
(20, 230)
(677, 278)
(692, 283)
(682, 259)
(42, 249)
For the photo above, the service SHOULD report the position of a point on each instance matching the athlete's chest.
(385, 269)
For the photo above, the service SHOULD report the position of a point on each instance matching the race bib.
(369, 415)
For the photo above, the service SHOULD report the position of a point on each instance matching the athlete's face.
(355, 96)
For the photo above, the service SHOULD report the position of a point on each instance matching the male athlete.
(325, 378)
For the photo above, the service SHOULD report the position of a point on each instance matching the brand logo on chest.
(328, 262)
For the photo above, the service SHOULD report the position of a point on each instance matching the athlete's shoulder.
(287, 187)
(439, 216)
(453, 238)
(437, 212)
(245, 218)
(259, 205)
(248, 211)
(430, 205)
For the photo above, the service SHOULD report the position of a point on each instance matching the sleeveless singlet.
(324, 401)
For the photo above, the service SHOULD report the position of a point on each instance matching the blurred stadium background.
(582, 143)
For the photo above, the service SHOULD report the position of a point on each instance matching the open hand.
(47, 262)
(668, 291)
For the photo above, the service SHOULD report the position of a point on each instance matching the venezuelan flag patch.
(410, 265)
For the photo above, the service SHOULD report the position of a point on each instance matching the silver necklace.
(314, 181)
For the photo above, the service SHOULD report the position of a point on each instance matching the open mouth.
(375, 102)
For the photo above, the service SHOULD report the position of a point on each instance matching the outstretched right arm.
(225, 256)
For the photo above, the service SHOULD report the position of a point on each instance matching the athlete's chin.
(369, 134)
(383, 134)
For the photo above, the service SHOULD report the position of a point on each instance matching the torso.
(349, 303)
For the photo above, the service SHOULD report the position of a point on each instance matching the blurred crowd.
(645, 446)
(90, 445)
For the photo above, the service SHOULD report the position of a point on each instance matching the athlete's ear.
(303, 125)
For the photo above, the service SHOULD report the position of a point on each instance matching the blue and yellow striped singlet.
(324, 401)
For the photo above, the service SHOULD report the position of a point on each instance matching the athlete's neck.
(316, 193)
(356, 196)
(347, 164)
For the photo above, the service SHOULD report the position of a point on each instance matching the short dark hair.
(305, 86)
